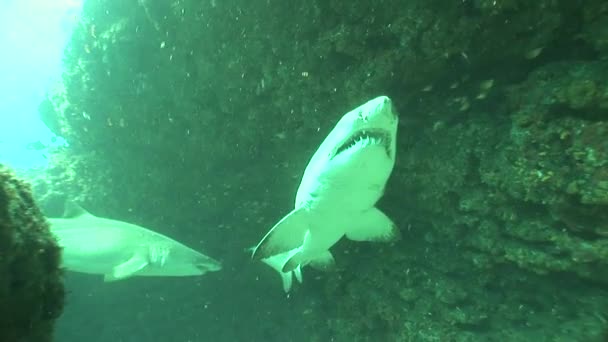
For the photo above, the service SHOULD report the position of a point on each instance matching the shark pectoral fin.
(127, 269)
(373, 225)
(107, 278)
(286, 277)
(324, 262)
(284, 236)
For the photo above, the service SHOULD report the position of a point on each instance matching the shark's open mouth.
(366, 138)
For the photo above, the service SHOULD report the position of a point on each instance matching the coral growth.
(501, 181)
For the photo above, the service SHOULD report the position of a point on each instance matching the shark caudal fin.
(373, 225)
(286, 235)
(127, 269)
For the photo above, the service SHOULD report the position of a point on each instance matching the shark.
(119, 250)
(339, 190)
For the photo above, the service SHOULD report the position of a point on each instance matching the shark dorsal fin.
(73, 210)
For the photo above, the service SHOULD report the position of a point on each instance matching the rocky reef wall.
(501, 183)
(31, 283)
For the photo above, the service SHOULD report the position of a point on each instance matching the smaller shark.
(339, 189)
(119, 250)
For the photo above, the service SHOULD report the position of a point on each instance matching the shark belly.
(101, 263)
(80, 255)
(341, 191)
(326, 229)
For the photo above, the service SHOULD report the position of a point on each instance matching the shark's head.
(359, 152)
(371, 125)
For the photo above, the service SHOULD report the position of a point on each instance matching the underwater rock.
(209, 95)
(31, 285)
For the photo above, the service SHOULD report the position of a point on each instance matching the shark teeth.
(366, 138)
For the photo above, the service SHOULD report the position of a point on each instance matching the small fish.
(486, 85)
(533, 53)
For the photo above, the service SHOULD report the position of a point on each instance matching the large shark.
(118, 250)
(339, 189)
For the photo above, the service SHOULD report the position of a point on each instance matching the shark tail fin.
(373, 225)
(286, 235)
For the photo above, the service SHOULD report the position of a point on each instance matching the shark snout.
(389, 107)
(384, 107)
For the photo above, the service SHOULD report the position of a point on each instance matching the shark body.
(118, 250)
(339, 189)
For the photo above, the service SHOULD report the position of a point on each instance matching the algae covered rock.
(501, 185)
(31, 287)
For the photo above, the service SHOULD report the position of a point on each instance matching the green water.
(197, 119)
